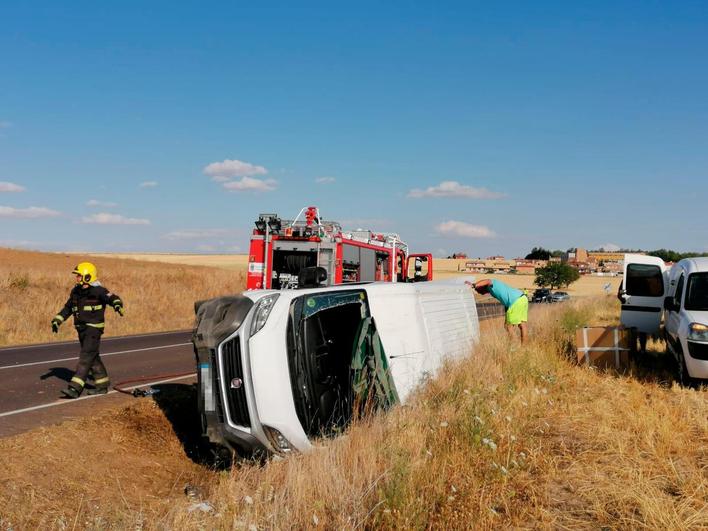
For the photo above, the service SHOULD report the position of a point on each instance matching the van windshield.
(336, 360)
(697, 292)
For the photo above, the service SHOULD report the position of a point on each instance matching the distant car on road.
(558, 296)
(541, 295)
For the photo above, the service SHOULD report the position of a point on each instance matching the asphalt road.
(32, 376)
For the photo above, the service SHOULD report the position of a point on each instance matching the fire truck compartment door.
(326, 260)
(643, 290)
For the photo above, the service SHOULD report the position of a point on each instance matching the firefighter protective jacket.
(88, 305)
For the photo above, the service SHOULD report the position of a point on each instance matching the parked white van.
(278, 368)
(680, 294)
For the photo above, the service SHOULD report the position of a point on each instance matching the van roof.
(696, 264)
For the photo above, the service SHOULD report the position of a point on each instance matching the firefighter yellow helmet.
(88, 272)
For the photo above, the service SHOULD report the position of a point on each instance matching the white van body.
(680, 295)
(267, 376)
(686, 317)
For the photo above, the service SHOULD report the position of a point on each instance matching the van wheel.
(683, 377)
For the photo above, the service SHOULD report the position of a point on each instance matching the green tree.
(556, 275)
(673, 256)
(538, 253)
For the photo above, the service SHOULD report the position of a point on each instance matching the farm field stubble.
(157, 296)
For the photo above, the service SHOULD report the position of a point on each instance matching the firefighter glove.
(55, 325)
(119, 309)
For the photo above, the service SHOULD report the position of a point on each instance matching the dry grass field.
(512, 437)
(158, 297)
(237, 262)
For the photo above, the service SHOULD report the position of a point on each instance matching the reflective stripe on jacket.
(88, 305)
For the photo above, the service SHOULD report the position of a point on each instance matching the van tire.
(684, 379)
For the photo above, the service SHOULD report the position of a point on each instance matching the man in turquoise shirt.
(514, 301)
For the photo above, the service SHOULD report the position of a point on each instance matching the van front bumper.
(696, 356)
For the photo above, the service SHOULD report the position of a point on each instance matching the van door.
(672, 317)
(642, 292)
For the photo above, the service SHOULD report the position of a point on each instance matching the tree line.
(668, 255)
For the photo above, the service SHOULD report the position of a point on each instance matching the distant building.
(575, 255)
(496, 264)
(525, 266)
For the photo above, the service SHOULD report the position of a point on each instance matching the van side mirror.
(669, 304)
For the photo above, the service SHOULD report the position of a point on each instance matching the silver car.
(558, 296)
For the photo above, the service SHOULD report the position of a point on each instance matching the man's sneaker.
(97, 391)
(70, 392)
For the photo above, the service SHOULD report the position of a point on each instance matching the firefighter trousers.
(89, 360)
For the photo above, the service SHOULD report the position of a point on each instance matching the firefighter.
(88, 302)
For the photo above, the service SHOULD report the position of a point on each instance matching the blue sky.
(473, 126)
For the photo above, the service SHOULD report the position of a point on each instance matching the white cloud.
(97, 203)
(610, 247)
(147, 184)
(220, 179)
(465, 230)
(196, 234)
(229, 169)
(455, 189)
(325, 180)
(11, 187)
(28, 213)
(251, 184)
(104, 218)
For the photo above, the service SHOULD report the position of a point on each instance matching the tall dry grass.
(513, 436)
(157, 297)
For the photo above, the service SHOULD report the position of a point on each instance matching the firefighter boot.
(71, 392)
(100, 384)
(76, 385)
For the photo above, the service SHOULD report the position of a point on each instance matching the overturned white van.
(277, 368)
(680, 296)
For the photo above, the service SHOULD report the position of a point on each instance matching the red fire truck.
(280, 249)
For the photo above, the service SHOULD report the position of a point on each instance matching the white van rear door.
(643, 289)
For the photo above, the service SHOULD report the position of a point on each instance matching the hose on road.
(120, 386)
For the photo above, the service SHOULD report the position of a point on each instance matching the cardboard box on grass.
(604, 346)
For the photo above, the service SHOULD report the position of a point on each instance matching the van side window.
(679, 292)
(644, 280)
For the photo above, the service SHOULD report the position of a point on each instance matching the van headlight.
(698, 332)
(262, 312)
(277, 440)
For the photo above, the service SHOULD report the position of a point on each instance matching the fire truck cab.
(281, 249)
